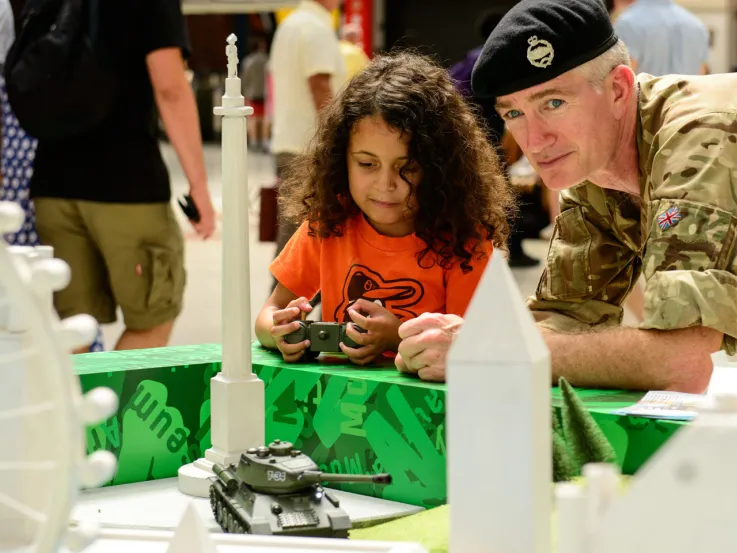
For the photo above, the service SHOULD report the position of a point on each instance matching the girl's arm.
(281, 308)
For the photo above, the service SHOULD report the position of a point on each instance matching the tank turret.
(276, 489)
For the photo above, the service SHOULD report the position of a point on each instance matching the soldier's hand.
(425, 343)
(382, 332)
(286, 321)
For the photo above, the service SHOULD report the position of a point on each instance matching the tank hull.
(311, 512)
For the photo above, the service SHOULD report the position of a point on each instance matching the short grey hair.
(598, 69)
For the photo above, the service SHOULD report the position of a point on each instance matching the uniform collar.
(317, 9)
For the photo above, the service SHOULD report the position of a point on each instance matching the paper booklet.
(665, 405)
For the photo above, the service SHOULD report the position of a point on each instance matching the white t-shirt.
(304, 45)
(7, 29)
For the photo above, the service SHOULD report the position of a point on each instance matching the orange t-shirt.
(365, 264)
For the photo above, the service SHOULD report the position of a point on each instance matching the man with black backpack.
(85, 77)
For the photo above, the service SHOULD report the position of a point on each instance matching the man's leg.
(143, 248)
(517, 256)
(252, 136)
(156, 337)
(286, 228)
(258, 134)
(59, 224)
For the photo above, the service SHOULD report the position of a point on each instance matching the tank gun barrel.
(227, 477)
(315, 477)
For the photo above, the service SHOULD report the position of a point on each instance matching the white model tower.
(498, 424)
(236, 394)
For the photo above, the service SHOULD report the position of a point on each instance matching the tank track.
(225, 515)
(232, 523)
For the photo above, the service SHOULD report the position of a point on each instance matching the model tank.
(276, 490)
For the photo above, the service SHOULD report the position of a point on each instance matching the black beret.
(539, 40)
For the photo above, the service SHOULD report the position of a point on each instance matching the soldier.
(649, 169)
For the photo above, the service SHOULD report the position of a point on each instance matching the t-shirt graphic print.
(397, 295)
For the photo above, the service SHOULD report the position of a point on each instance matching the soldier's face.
(564, 127)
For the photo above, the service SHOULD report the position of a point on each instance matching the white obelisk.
(498, 422)
(236, 394)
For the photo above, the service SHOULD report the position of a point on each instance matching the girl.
(402, 201)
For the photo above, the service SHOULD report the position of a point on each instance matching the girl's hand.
(285, 321)
(382, 332)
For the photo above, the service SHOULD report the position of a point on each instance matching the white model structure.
(236, 393)
(682, 501)
(724, 376)
(191, 536)
(42, 411)
(498, 420)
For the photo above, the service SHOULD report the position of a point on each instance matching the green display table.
(348, 419)
(634, 439)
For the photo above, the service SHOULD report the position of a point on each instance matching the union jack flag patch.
(669, 218)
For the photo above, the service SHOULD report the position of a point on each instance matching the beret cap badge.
(540, 52)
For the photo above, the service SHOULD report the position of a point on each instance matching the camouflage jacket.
(680, 235)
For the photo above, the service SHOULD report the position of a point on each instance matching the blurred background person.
(7, 28)
(253, 77)
(663, 38)
(351, 46)
(18, 153)
(531, 219)
(616, 7)
(103, 196)
(302, 85)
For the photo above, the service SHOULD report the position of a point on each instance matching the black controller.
(323, 337)
(189, 208)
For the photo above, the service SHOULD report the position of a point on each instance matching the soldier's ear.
(621, 88)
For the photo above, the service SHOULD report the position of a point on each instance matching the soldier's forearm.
(628, 358)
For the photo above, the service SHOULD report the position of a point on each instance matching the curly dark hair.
(463, 196)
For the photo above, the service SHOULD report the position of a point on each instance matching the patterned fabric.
(18, 153)
(687, 142)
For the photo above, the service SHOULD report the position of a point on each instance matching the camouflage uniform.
(604, 240)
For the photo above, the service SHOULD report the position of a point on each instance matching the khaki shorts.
(127, 255)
